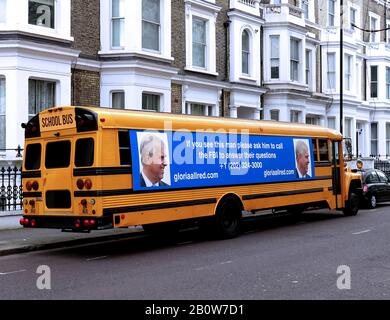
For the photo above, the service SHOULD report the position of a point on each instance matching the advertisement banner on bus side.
(183, 159)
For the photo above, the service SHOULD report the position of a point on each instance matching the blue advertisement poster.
(180, 159)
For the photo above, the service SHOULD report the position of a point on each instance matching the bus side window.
(324, 150)
(124, 147)
(315, 154)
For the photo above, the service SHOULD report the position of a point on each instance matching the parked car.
(376, 187)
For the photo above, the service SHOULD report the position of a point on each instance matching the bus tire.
(351, 205)
(227, 220)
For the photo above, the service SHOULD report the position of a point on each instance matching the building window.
(274, 115)
(245, 52)
(348, 72)
(373, 26)
(294, 59)
(150, 102)
(348, 128)
(41, 96)
(312, 119)
(274, 57)
(352, 18)
(41, 13)
(295, 116)
(117, 100)
(308, 67)
(374, 82)
(199, 42)
(117, 23)
(331, 72)
(199, 109)
(305, 7)
(331, 122)
(151, 24)
(2, 113)
(374, 139)
(3, 6)
(331, 12)
(388, 33)
(387, 139)
(387, 83)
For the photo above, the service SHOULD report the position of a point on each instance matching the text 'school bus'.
(96, 168)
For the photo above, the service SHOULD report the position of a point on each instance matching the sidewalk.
(15, 239)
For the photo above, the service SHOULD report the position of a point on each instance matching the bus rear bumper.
(74, 223)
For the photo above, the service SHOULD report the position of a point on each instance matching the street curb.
(69, 243)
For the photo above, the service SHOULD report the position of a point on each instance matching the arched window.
(245, 52)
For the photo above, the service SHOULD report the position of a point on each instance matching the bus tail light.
(29, 185)
(33, 223)
(86, 223)
(80, 184)
(77, 224)
(88, 184)
(35, 185)
(24, 222)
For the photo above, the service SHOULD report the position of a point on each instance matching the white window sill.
(247, 78)
(201, 71)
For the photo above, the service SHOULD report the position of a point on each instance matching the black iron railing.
(11, 184)
(383, 165)
(10, 188)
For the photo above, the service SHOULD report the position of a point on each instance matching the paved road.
(276, 258)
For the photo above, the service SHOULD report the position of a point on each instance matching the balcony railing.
(250, 3)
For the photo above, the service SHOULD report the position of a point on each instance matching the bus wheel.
(228, 219)
(351, 205)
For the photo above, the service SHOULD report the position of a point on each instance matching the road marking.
(97, 258)
(360, 232)
(226, 262)
(11, 272)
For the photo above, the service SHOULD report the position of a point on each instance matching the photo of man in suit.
(302, 159)
(153, 156)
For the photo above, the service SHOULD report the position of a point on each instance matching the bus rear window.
(57, 154)
(84, 152)
(33, 156)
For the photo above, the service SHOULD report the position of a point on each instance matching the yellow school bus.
(91, 168)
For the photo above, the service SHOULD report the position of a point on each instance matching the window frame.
(158, 50)
(114, 92)
(275, 58)
(122, 19)
(374, 140)
(38, 107)
(53, 19)
(3, 110)
(147, 94)
(331, 73)
(203, 45)
(373, 83)
(294, 60)
(247, 53)
(331, 15)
